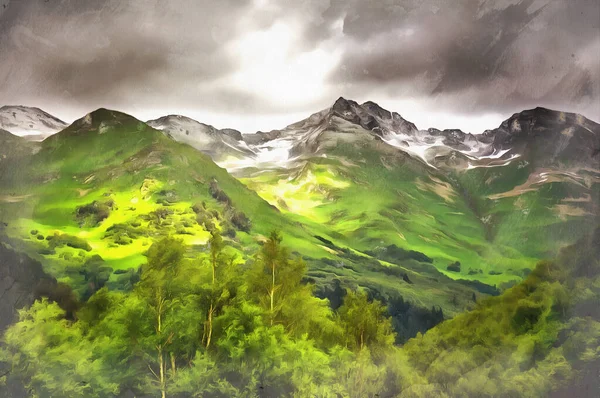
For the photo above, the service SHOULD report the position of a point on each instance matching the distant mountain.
(32, 123)
(548, 137)
(374, 177)
(12, 145)
(218, 144)
(99, 192)
(348, 121)
(551, 137)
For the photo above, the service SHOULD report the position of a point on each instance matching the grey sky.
(264, 64)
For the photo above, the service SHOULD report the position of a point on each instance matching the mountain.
(429, 223)
(90, 201)
(550, 138)
(367, 121)
(218, 144)
(493, 202)
(33, 123)
(109, 183)
(540, 135)
(13, 146)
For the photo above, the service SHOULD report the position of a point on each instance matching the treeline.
(211, 327)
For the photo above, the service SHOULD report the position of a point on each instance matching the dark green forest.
(207, 326)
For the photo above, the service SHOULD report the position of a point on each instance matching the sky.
(264, 64)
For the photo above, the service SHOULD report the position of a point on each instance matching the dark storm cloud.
(92, 51)
(491, 55)
(466, 56)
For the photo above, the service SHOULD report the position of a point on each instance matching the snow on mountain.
(349, 121)
(541, 135)
(32, 123)
(220, 145)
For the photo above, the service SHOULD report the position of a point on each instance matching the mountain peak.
(29, 121)
(106, 115)
(341, 101)
(544, 117)
(218, 144)
(342, 105)
(100, 120)
(549, 136)
(186, 124)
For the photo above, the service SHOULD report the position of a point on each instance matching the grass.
(390, 199)
(358, 198)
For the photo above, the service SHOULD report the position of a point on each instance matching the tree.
(365, 323)
(276, 284)
(54, 357)
(160, 291)
(222, 286)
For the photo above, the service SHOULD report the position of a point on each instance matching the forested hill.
(200, 327)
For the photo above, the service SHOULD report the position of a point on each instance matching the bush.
(240, 221)
(218, 193)
(454, 267)
(93, 213)
(60, 240)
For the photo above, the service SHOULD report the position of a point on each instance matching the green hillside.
(497, 222)
(92, 200)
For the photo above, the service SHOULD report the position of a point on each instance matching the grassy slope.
(538, 336)
(531, 222)
(113, 157)
(367, 197)
(129, 164)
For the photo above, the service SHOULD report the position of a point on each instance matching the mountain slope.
(493, 203)
(33, 123)
(109, 184)
(94, 197)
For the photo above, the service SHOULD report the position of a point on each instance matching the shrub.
(240, 221)
(60, 240)
(93, 213)
(218, 193)
(454, 267)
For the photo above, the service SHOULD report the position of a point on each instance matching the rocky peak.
(550, 136)
(371, 117)
(377, 111)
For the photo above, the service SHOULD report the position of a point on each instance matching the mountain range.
(368, 199)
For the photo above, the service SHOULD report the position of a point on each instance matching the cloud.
(116, 52)
(272, 57)
(475, 55)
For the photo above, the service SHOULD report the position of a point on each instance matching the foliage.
(211, 326)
